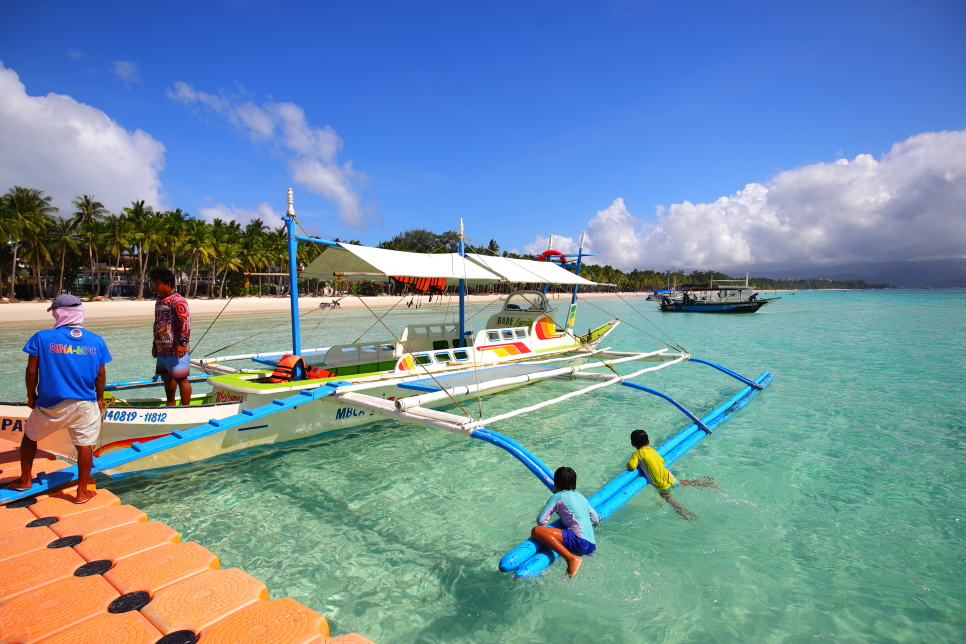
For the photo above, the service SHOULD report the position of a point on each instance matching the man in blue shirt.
(65, 390)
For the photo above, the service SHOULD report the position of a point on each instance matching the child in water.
(576, 538)
(651, 466)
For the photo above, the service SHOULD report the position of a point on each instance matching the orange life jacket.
(291, 368)
(318, 372)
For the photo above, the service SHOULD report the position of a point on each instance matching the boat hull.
(713, 307)
(123, 426)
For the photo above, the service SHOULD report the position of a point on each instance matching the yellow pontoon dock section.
(102, 573)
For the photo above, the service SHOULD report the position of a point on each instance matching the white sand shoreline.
(128, 309)
(25, 312)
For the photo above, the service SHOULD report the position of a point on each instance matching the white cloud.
(565, 245)
(263, 211)
(910, 204)
(66, 148)
(312, 150)
(127, 71)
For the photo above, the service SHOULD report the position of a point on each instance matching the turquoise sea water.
(840, 514)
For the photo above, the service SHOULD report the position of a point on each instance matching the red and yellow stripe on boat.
(546, 329)
(508, 349)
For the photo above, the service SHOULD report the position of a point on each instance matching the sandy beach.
(31, 312)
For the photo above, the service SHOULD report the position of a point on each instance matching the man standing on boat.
(172, 333)
(65, 390)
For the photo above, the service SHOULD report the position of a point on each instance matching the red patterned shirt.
(172, 324)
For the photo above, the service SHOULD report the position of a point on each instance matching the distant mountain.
(925, 274)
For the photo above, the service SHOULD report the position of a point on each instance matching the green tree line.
(35, 238)
(47, 252)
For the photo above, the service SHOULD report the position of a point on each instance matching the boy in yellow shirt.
(650, 464)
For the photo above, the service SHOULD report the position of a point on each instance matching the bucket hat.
(62, 300)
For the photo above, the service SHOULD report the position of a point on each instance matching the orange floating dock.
(101, 573)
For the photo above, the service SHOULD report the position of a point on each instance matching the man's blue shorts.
(173, 366)
(575, 544)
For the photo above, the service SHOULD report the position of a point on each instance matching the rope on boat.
(257, 334)
(672, 345)
(213, 323)
(401, 300)
(650, 322)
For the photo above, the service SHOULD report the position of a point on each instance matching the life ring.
(547, 254)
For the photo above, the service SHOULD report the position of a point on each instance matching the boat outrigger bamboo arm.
(418, 415)
(697, 421)
(420, 400)
(737, 376)
(521, 453)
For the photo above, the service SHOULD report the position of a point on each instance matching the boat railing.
(364, 352)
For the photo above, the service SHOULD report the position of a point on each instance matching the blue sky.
(523, 118)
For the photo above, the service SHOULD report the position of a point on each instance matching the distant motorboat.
(718, 296)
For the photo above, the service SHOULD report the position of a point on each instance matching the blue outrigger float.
(520, 345)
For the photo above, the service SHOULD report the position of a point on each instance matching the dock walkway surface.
(102, 573)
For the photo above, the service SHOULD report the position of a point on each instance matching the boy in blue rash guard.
(576, 538)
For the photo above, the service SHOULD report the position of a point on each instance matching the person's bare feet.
(20, 485)
(573, 566)
(85, 496)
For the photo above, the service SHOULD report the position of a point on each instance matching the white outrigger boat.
(525, 330)
(409, 376)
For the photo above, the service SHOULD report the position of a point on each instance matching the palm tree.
(277, 241)
(10, 230)
(114, 239)
(34, 213)
(175, 222)
(144, 233)
(88, 234)
(197, 240)
(230, 262)
(253, 250)
(88, 211)
(226, 238)
(64, 240)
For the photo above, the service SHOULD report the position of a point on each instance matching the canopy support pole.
(572, 314)
(293, 277)
(737, 376)
(462, 252)
(549, 247)
(694, 419)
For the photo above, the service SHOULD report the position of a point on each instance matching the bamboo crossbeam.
(573, 394)
(463, 390)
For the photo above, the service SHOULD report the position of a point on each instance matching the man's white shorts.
(82, 418)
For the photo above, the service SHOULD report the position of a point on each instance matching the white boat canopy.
(364, 263)
(527, 271)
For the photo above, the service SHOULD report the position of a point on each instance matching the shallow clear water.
(840, 514)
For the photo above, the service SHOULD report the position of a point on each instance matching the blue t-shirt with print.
(68, 359)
